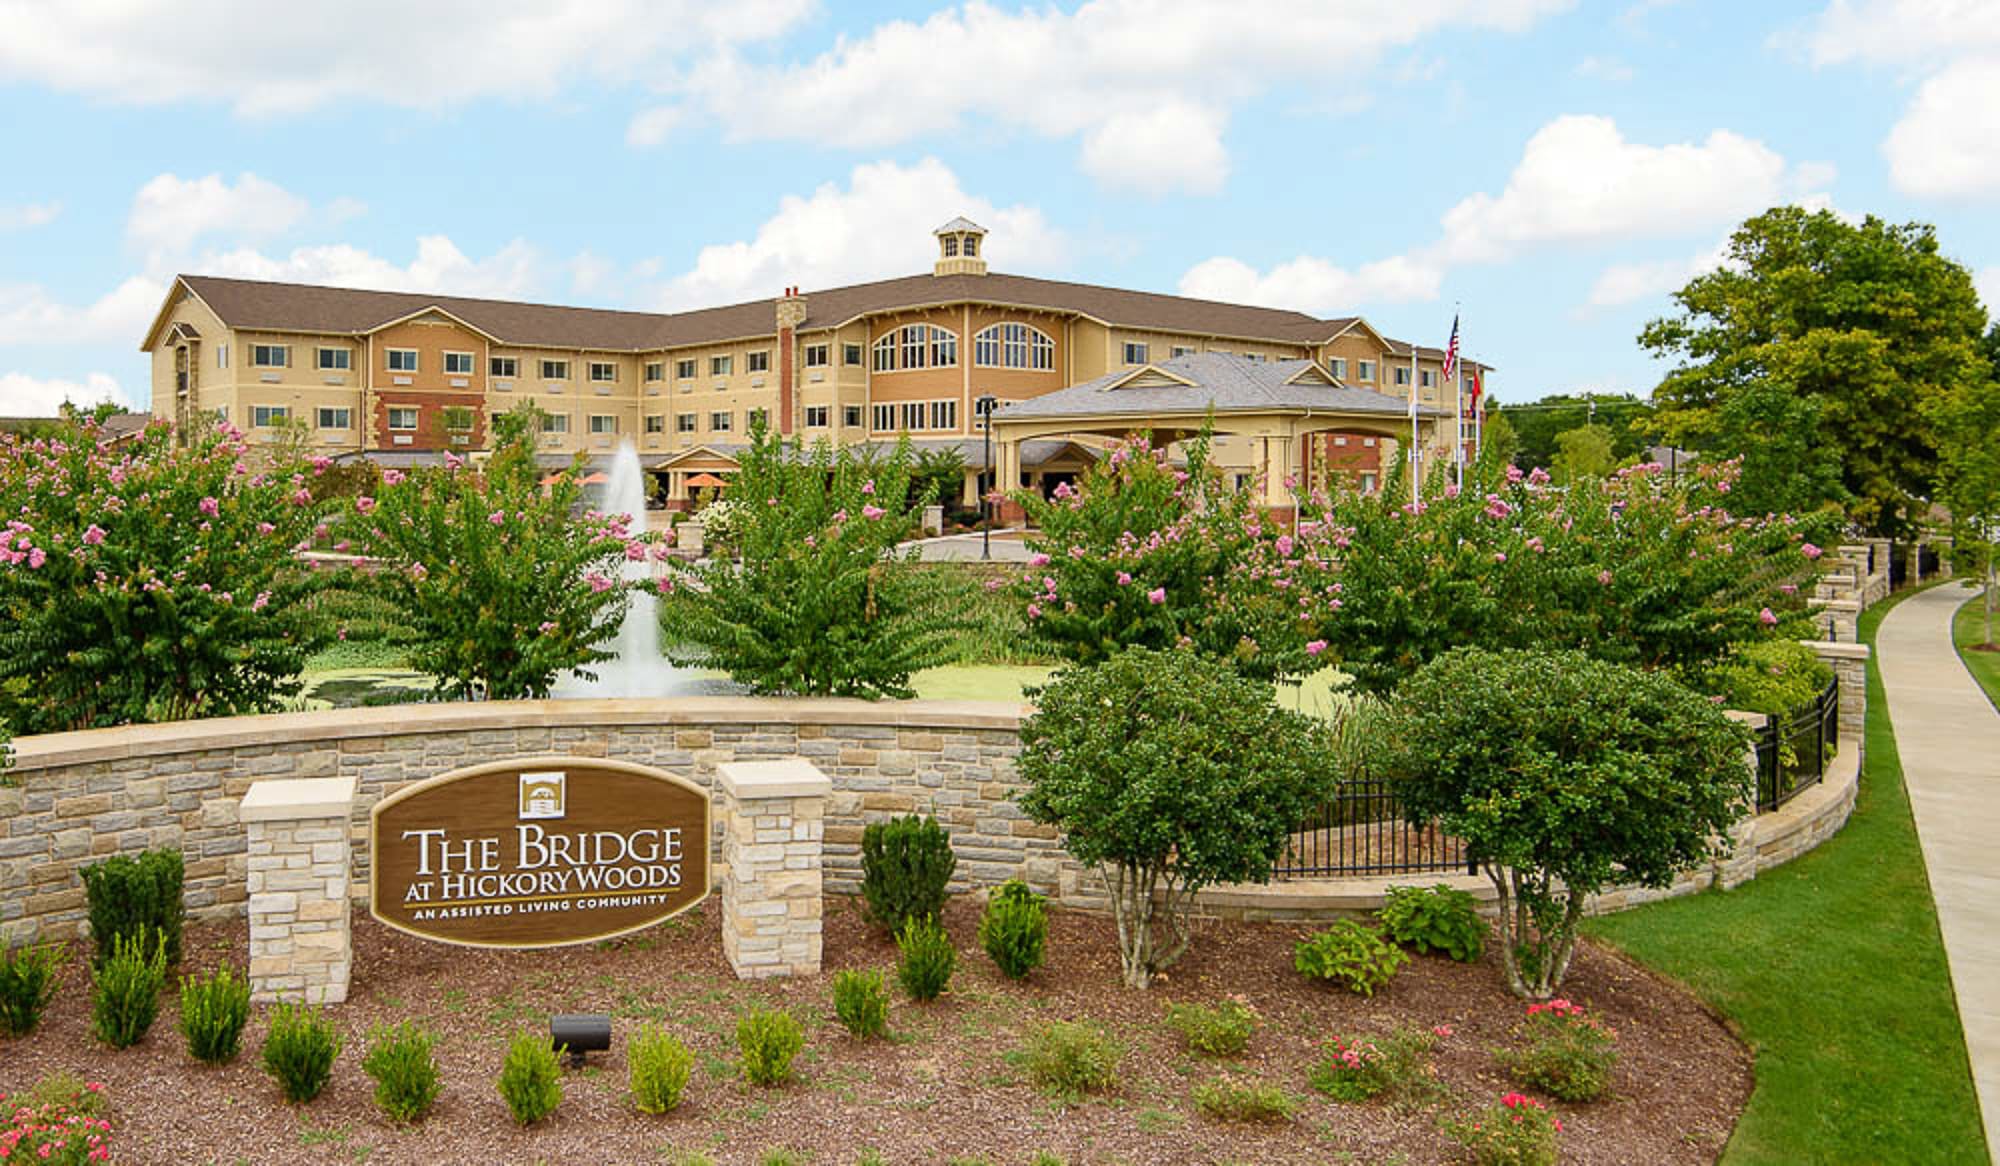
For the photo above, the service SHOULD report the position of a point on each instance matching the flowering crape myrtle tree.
(149, 581)
(1636, 569)
(820, 604)
(1561, 773)
(1143, 552)
(506, 583)
(1168, 772)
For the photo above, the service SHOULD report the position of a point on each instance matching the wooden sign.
(538, 852)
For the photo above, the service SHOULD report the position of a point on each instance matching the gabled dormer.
(960, 242)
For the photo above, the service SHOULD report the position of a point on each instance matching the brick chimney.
(791, 314)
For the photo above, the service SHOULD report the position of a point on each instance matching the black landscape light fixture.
(577, 1033)
(984, 407)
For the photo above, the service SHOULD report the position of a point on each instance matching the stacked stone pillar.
(1849, 662)
(773, 817)
(300, 948)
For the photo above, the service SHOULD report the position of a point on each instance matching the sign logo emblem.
(542, 795)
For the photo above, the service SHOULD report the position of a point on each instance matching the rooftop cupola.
(959, 243)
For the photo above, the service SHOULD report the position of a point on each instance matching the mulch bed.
(940, 1088)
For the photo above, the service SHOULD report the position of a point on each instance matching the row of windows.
(915, 346)
(916, 415)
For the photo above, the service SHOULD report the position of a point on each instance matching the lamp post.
(984, 407)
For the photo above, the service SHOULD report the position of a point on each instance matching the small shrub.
(1397, 1066)
(861, 1002)
(130, 894)
(1518, 1131)
(768, 1040)
(530, 1078)
(928, 959)
(1070, 1060)
(1352, 954)
(402, 1061)
(125, 989)
(780, 1158)
(1015, 929)
(299, 1051)
(57, 1121)
(27, 984)
(1227, 1100)
(213, 1013)
(1567, 1054)
(905, 865)
(660, 1067)
(1044, 1158)
(1221, 1031)
(1439, 918)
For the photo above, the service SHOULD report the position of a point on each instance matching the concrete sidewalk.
(1948, 735)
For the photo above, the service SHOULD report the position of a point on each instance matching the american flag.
(1451, 351)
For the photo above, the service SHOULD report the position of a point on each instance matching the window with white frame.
(555, 370)
(1135, 353)
(402, 359)
(656, 370)
(1428, 379)
(603, 371)
(913, 415)
(1402, 375)
(850, 355)
(1338, 367)
(222, 356)
(555, 423)
(685, 422)
(816, 416)
(335, 359)
(458, 364)
(265, 416)
(850, 416)
(818, 355)
(1364, 370)
(1014, 346)
(334, 417)
(721, 366)
(656, 422)
(915, 346)
(603, 423)
(505, 367)
(951, 246)
(270, 355)
(684, 369)
(403, 417)
(758, 361)
(944, 414)
(885, 418)
(719, 422)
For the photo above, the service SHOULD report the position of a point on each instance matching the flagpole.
(1458, 407)
(1416, 441)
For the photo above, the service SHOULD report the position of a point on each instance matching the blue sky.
(1551, 169)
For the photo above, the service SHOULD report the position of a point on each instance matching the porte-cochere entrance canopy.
(1278, 405)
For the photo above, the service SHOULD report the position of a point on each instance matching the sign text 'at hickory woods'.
(539, 851)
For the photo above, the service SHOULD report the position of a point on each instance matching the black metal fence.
(1361, 831)
(1793, 749)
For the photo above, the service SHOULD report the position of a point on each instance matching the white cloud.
(439, 266)
(878, 226)
(1579, 180)
(1625, 283)
(1176, 146)
(1310, 284)
(1902, 32)
(27, 215)
(24, 396)
(1072, 74)
(170, 212)
(1604, 69)
(29, 315)
(650, 127)
(242, 53)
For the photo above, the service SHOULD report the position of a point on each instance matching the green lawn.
(1969, 628)
(1832, 969)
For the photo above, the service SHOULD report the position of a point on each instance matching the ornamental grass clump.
(1227, 1099)
(299, 1051)
(1563, 1052)
(530, 1078)
(214, 1010)
(402, 1061)
(769, 1040)
(861, 1002)
(928, 959)
(1219, 1031)
(125, 989)
(660, 1067)
(1516, 1131)
(1069, 1060)
(1439, 919)
(1015, 928)
(27, 983)
(1351, 954)
(906, 864)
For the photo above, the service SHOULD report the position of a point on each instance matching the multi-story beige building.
(404, 377)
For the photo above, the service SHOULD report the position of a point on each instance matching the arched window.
(1014, 346)
(916, 346)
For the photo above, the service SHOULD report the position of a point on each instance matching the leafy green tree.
(506, 584)
(1627, 420)
(1498, 438)
(1562, 774)
(1583, 452)
(1168, 772)
(937, 476)
(820, 605)
(152, 581)
(1865, 327)
(1968, 429)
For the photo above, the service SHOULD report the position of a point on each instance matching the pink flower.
(1034, 611)
(93, 534)
(868, 487)
(497, 517)
(36, 557)
(320, 463)
(211, 507)
(1156, 596)
(665, 585)
(1285, 545)
(1038, 559)
(419, 572)
(392, 477)
(635, 552)
(1766, 618)
(871, 512)
(364, 504)
(597, 581)
(1441, 1030)
(1499, 556)
(265, 528)
(1124, 578)
(1810, 551)
(1604, 577)
(1315, 647)
(546, 626)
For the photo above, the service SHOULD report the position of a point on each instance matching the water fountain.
(637, 668)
